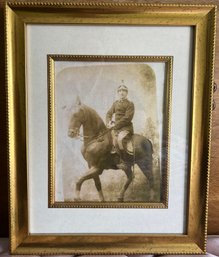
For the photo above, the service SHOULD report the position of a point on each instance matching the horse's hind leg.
(129, 174)
(92, 173)
(146, 167)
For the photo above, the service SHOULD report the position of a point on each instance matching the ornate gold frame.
(203, 19)
(168, 60)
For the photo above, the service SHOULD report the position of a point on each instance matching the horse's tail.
(148, 146)
(143, 147)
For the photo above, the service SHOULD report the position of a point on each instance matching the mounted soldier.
(122, 127)
(97, 143)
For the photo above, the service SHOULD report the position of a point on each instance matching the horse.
(96, 150)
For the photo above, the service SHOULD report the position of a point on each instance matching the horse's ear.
(78, 100)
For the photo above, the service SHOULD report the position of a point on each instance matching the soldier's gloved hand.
(111, 124)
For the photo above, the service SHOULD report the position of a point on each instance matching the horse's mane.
(91, 114)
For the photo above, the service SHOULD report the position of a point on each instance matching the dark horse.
(96, 150)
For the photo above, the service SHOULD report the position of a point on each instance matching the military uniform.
(124, 112)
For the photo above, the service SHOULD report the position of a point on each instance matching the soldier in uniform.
(123, 109)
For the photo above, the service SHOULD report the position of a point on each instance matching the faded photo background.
(96, 84)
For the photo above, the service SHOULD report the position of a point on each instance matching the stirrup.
(113, 150)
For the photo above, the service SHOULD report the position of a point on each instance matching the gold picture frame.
(202, 18)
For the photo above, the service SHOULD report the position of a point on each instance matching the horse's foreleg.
(99, 187)
(91, 173)
(128, 172)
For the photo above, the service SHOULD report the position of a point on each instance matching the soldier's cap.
(122, 87)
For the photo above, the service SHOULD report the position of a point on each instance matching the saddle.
(126, 145)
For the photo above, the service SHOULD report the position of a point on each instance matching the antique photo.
(110, 128)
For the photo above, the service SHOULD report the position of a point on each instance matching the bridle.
(81, 137)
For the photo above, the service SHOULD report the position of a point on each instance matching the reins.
(94, 138)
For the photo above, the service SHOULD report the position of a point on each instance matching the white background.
(106, 40)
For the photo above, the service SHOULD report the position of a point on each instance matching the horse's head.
(77, 119)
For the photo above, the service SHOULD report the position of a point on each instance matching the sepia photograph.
(111, 129)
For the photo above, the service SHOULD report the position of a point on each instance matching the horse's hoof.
(120, 199)
(152, 195)
(101, 200)
(77, 199)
